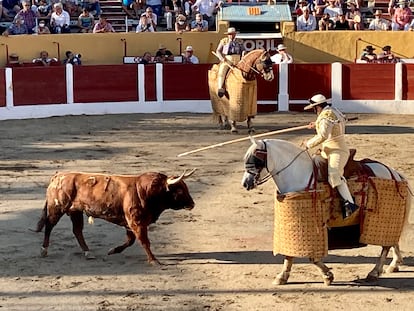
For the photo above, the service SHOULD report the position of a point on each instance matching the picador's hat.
(317, 100)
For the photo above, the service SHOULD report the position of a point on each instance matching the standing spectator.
(306, 22)
(199, 24)
(181, 24)
(146, 58)
(282, 56)
(325, 23)
(353, 16)
(72, 59)
(386, 56)
(156, 6)
(41, 28)
(172, 8)
(144, 25)
(151, 17)
(379, 23)
(28, 16)
(341, 23)
(189, 57)
(86, 21)
(402, 17)
(103, 26)
(368, 55)
(44, 59)
(208, 9)
(16, 28)
(333, 10)
(60, 19)
(188, 11)
(163, 55)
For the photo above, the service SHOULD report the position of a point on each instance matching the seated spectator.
(300, 5)
(319, 6)
(28, 16)
(172, 8)
(181, 24)
(103, 26)
(86, 21)
(41, 28)
(402, 17)
(306, 22)
(379, 23)
(16, 28)
(135, 5)
(353, 16)
(156, 6)
(163, 55)
(199, 24)
(386, 56)
(144, 25)
(208, 9)
(44, 59)
(10, 8)
(44, 8)
(71, 6)
(333, 10)
(368, 55)
(60, 19)
(72, 59)
(325, 23)
(146, 58)
(341, 23)
(282, 56)
(151, 17)
(189, 57)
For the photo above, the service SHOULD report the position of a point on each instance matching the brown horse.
(240, 101)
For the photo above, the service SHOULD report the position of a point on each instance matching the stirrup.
(221, 92)
(348, 209)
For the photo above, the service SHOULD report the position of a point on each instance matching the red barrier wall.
(2, 88)
(39, 85)
(368, 81)
(408, 82)
(150, 83)
(108, 83)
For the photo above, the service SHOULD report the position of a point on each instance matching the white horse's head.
(255, 160)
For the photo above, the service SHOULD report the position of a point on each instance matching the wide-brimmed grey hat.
(317, 100)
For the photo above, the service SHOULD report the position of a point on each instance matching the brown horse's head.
(264, 66)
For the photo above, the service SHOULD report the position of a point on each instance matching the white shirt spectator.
(306, 22)
(333, 12)
(206, 7)
(61, 19)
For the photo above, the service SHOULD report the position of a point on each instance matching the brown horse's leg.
(379, 267)
(327, 275)
(397, 260)
(283, 276)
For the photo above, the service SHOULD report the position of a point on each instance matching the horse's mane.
(248, 60)
(259, 144)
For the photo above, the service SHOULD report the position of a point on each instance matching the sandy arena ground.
(216, 257)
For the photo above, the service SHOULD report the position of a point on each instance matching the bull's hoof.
(112, 251)
(221, 92)
(43, 252)
(154, 262)
(89, 255)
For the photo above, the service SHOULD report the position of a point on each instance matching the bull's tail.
(42, 221)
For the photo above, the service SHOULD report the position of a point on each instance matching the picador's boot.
(348, 208)
(220, 91)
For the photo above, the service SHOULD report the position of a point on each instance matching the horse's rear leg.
(250, 127)
(327, 275)
(397, 260)
(283, 276)
(130, 239)
(233, 126)
(77, 229)
(379, 267)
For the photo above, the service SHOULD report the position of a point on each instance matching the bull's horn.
(191, 172)
(172, 181)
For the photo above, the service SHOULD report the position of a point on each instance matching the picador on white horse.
(229, 51)
(330, 132)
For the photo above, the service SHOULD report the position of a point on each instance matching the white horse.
(291, 168)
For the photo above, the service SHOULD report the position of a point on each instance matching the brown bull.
(133, 202)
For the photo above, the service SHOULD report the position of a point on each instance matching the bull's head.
(179, 191)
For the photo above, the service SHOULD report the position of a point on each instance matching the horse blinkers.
(256, 163)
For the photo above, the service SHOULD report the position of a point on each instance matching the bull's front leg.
(141, 233)
(77, 229)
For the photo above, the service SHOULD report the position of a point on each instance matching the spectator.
(402, 17)
(306, 22)
(16, 28)
(151, 17)
(86, 21)
(135, 5)
(341, 23)
(189, 57)
(300, 6)
(368, 55)
(71, 6)
(44, 59)
(386, 56)
(10, 8)
(41, 28)
(28, 16)
(392, 5)
(188, 11)
(325, 23)
(93, 7)
(172, 8)
(163, 55)
(72, 59)
(319, 6)
(353, 16)
(146, 58)
(282, 57)
(181, 24)
(333, 10)
(44, 8)
(379, 23)
(208, 9)
(60, 19)
(144, 25)
(156, 6)
(199, 24)
(103, 26)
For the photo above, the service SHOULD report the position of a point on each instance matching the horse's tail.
(42, 221)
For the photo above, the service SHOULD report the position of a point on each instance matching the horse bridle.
(267, 65)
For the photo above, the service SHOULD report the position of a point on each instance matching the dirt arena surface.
(216, 257)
